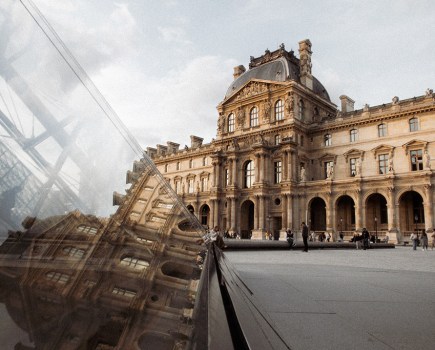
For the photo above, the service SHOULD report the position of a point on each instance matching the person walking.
(414, 241)
(305, 236)
(433, 240)
(424, 240)
(366, 237)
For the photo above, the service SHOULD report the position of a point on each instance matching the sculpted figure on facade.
(390, 164)
(358, 167)
(266, 111)
(289, 104)
(240, 118)
(395, 100)
(221, 124)
(429, 92)
(426, 160)
(303, 175)
(330, 172)
(366, 107)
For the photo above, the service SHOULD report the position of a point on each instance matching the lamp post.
(416, 222)
(376, 229)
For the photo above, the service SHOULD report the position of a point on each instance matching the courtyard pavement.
(345, 299)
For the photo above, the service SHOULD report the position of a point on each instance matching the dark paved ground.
(345, 299)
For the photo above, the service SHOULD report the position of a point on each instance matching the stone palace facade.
(284, 153)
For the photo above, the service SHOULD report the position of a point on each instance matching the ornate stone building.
(284, 153)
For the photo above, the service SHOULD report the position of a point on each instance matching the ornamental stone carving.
(240, 118)
(251, 90)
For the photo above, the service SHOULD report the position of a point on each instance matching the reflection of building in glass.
(360, 167)
(128, 282)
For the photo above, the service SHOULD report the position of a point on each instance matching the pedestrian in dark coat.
(305, 236)
(366, 237)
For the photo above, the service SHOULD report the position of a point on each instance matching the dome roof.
(280, 66)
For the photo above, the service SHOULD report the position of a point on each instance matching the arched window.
(166, 168)
(178, 165)
(231, 122)
(253, 117)
(279, 110)
(190, 163)
(301, 109)
(413, 124)
(204, 161)
(382, 130)
(328, 140)
(353, 135)
(134, 263)
(249, 173)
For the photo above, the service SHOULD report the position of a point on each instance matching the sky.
(165, 65)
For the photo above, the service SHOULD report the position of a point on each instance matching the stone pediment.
(328, 157)
(414, 144)
(354, 153)
(253, 87)
(382, 149)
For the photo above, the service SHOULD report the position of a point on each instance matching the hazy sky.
(165, 65)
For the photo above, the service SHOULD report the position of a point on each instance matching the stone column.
(256, 213)
(391, 215)
(215, 173)
(358, 214)
(290, 211)
(284, 166)
(257, 167)
(233, 214)
(229, 206)
(234, 172)
(428, 209)
(329, 213)
(284, 211)
(216, 214)
(262, 212)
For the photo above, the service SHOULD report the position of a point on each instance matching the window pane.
(279, 110)
(254, 117)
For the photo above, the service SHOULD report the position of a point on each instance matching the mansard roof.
(279, 65)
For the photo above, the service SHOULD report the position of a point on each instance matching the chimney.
(151, 151)
(161, 150)
(347, 104)
(305, 63)
(195, 141)
(172, 147)
(238, 71)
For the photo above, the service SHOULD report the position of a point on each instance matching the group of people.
(423, 239)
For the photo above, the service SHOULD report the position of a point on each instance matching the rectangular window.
(177, 187)
(383, 163)
(277, 139)
(382, 130)
(190, 186)
(328, 140)
(352, 163)
(302, 140)
(227, 177)
(353, 135)
(278, 171)
(416, 160)
(203, 184)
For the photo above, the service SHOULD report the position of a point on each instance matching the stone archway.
(191, 209)
(411, 212)
(246, 219)
(205, 215)
(345, 214)
(376, 213)
(317, 214)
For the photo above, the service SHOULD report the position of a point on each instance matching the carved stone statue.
(221, 123)
(358, 167)
(330, 172)
(303, 175)
(289, 104)
(240, 117)
(390, 165)
(366, 107)
(429, 92)
(426, 160)
(395, 100)
(266, 107)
